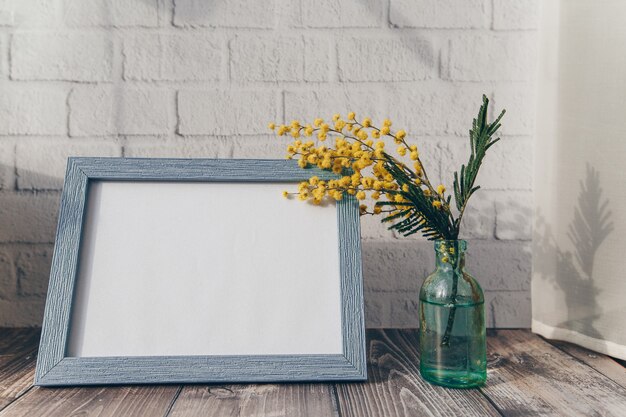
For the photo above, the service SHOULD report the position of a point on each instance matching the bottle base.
(454, 379)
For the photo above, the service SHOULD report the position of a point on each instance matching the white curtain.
(579, 244)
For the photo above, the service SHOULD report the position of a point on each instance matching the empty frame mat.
(205, 268)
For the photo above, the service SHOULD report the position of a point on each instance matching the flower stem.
(456, 271)
(445, 340)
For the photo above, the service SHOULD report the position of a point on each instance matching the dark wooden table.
(528, 376)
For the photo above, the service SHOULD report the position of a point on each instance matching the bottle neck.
(450, 254)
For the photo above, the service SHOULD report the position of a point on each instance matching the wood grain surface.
(94, 401)
(396, 389)
(255, 400)
(18, 353)
(527, 376)
(600, 363)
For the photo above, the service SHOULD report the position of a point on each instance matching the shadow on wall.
(573, 272)
(28, 222)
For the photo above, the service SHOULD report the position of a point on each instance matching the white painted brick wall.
(224, 13)
(342, 14)
(173, 57)
(112, 13)
(386, 59)
(231, 111)
(33, 110)
(102, 111)
(491, 56)
(70, 56)
(267, 58)
(191, 78)
(448, 14)
(31, 13)
(518, 14)
(435, 108)
(41, 162)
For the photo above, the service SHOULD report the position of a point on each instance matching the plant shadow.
(572, 271)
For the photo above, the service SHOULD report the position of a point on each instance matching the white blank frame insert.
(198, 275)
(174, 270)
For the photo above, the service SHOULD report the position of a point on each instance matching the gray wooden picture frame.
(55, 368)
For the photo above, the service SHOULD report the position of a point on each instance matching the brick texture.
(464, 14)
(68, 57)
(179, 57)
(111, 13)
(435, 109)
(192, 78)
(284, 58)
(28, 217)
(225, 13)
(7, 166)
(519, 14)
(472, 57)
(225, 112)
(33, 110)
(40, 164)
(200, 147)
(31, 14)
(342, 13)
(325, 102)
(255, 58)
(33, 267)
(375, 59)
(103, 111)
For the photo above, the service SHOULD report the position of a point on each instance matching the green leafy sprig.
(417, 213)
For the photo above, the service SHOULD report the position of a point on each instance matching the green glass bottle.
(453, 343)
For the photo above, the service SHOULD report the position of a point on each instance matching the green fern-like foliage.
(417, 213)
(481, 139)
